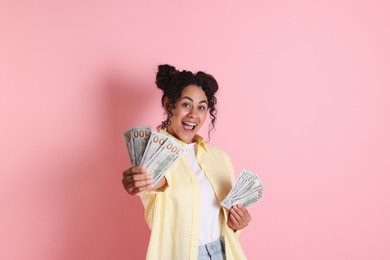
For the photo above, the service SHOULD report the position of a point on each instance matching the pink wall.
(304, 102)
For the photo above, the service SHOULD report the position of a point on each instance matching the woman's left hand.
(239, 217)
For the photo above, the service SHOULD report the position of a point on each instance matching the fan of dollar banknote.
(247, 190)
(157, 152)
(154, 151)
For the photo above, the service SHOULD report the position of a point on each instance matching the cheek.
(182, 112)
(178, 114)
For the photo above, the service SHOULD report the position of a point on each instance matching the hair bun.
(164, 75)
(208, 80)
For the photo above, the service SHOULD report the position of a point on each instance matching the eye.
(202, 108)
(186, 105)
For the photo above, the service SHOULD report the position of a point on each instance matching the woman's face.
(189, 114)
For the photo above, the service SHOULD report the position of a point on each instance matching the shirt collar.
(197, 138)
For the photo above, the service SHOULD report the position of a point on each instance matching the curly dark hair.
(172, 82)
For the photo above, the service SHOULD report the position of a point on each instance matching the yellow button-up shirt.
(172, 212)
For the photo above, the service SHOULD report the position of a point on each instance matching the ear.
(166, 103)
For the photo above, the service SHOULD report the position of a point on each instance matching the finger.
(134, 170)
(235, 217)
(234, 212)
(234, 221)
(126, 172)
(137, 184)
(241, 220)
(137, 191)
(246, 216)
(239, 210)
(243, 209)
(139, 169)
(138, 177)
(131, 186)
(137, 180)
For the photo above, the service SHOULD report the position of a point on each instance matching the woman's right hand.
(136, 180)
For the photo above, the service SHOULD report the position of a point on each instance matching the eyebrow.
(203, 101)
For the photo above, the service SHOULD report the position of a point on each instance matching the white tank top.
(210, 209)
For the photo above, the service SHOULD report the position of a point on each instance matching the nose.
(192, 113)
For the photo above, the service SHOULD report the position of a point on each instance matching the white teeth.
(188, 123)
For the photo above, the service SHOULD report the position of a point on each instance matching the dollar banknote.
(163, 159)
(155, 151)
(127, 136)
(247, 190)
(136, 141)
(155, 142)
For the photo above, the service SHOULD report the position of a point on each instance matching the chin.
(187, 138)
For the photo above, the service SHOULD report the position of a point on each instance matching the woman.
(183, 210)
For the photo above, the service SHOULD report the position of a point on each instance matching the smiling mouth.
(189, 126)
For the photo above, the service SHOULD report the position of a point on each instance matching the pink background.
(303, 102)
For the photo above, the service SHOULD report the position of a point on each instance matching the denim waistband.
(212, 248)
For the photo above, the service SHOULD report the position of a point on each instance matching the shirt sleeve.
(149, 199)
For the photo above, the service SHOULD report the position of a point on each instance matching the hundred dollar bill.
(250, 199)
(155, 142)
(243, 179)
(136, 142)
(139, 140)
(251, 185)
(245, 201)
(159, 163)
(247, 190)
(127, 136)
